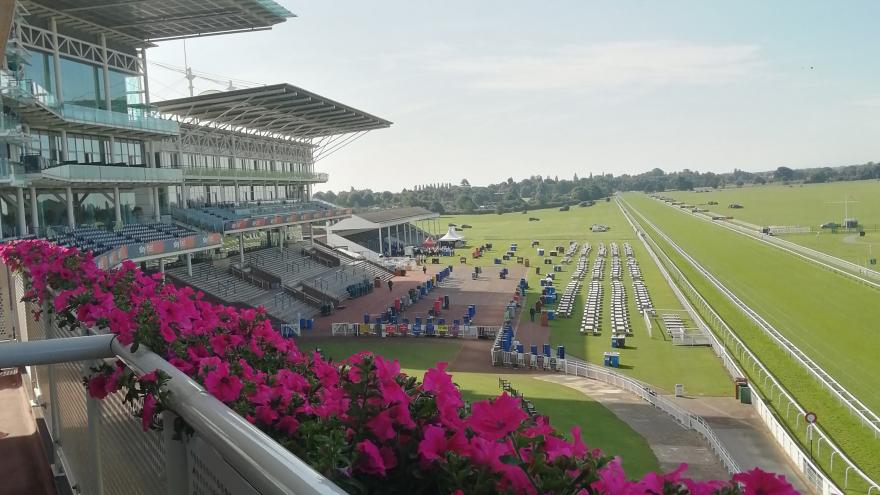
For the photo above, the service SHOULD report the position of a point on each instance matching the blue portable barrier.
(520, 348)
(615, 360)
(310, 323)
(547, 351)
(366, 317)
(534, 350)
(560, 352)
(472, 310)
(551, 315)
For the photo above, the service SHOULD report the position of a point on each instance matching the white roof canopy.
(451, 236)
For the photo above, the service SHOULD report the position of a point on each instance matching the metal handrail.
(266, 465)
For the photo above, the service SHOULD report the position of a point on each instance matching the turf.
(653, 359)
(802, 301)
(806, 205)
(566, 407)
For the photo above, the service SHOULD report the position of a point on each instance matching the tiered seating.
(291, 265)
(593, 309)
(566, 302)
(673, 324)
(619, 315)
(643, 299)
(284, 306)
(217, 282)
(335, 283)
(100, 240)
(154, 231)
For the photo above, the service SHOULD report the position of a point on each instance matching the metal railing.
(642, 390)
(732, 350)
(844, 396)
(103, 450)
(245, 174)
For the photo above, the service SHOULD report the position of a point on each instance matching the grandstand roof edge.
(280, 109)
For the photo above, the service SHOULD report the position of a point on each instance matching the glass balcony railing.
(136, 119)
(225, 173)
(97, 173)
(11, 172)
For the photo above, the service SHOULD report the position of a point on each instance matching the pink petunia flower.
(758, 482)
(495, 419)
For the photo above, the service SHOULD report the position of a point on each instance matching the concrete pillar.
(237, 193)
(71, 218)
(117, 207)
(397, 232)
(241, 249)
(277, 191)
(35, 214)
(1, 218)
(64, 149)
(161, 265)
(380, 240)
(22, 222)
(189, 264)
(56, 61)
(156, 203)
(184, 193)
(222, 193)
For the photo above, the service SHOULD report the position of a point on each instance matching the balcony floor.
(25, 467)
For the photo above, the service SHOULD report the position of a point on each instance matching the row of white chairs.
(643, 299)
(598, 268)
(601, 251)
(566, 302)
(628, 250)
(619, 314)
(634, 270)
(593, 309)
(615, 249)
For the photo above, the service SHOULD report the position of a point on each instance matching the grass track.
(834, 418)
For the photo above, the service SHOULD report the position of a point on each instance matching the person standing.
(532, 314)
(424, 270)
(390, 285)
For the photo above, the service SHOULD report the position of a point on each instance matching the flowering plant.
(360, 422)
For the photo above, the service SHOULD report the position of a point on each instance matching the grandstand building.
(381, 233)
(88, 160)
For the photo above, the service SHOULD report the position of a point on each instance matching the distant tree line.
(543, 192)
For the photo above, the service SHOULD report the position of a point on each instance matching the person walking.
(424, 270)
(532, 314)
(390, 285)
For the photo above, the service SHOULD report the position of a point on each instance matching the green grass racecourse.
(808, 205)
(828, 316)
(651, 358)
(566, 407)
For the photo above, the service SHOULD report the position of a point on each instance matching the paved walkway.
(741, 430)
(25, 467)
(671, 443)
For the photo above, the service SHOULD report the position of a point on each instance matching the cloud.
(605, 66)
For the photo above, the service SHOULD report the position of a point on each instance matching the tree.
(784, 173)
(465, 203)
(437, 207)
(465, 183)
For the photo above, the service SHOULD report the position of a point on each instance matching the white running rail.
(868, 417)
(756, 365)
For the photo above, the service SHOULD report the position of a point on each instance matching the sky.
(486, 90)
